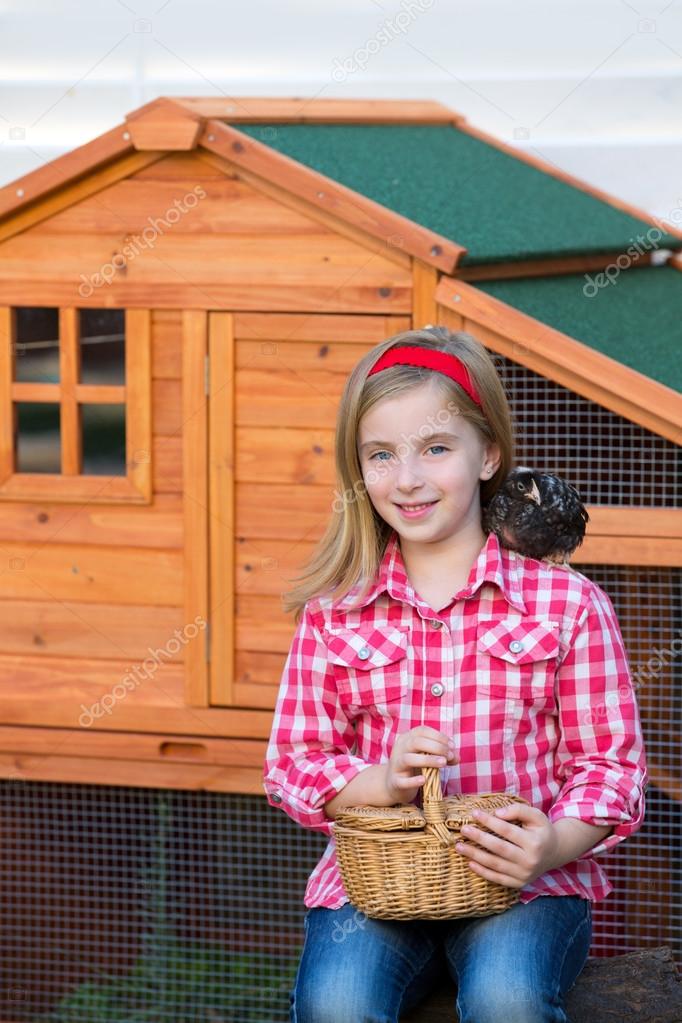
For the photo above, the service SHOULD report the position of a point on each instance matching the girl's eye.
(377, 453)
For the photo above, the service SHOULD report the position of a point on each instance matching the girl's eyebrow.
(441, 435)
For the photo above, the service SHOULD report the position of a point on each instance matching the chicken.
(537, 514)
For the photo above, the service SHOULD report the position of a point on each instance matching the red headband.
(443, 362)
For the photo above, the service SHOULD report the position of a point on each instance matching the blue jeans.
(513, 967)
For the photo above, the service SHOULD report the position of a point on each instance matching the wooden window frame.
(135, 395)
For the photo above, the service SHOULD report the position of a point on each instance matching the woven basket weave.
(400, 863)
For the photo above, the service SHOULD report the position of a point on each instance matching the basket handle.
(433, 807)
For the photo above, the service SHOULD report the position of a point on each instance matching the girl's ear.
(492, 461)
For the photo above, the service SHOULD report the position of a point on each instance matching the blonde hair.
(355, 539)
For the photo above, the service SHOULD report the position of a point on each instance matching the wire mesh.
(610, 459)
(124, 905)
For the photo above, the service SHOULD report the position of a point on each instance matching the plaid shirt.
(526, 668)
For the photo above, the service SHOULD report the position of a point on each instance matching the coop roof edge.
(565, 359)
(177, 123)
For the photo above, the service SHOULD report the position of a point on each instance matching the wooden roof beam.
(393, 229)
(302, 110)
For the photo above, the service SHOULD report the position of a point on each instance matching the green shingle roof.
(637, 320)
(500, 208)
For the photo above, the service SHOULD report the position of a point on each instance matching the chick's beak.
(534, 493)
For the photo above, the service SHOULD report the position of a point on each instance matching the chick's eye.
(520, 486)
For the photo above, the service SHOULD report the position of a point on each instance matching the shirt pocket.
(517, 659)
(370, 665)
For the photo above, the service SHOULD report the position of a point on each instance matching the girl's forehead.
(423, 404)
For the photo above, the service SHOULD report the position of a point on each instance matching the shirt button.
(435, 624)
(437, 689)
(364, 653)
(275, 797)
(516, 646)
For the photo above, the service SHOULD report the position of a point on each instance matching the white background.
(595, 86)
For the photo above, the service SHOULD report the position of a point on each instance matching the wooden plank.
(266, 566)
(69, 375)
(158, 525)
(289, 456)
(161, 748)
(195, 487)
(90, 573)
(96, 771)
(56, 173)
(36, 486)
(60, 691)
(77, 629)
(38, 195)
(222, 489)
(138, 369)
(167, 465)
(166, 408)
(323, 327)
(282, 510)
(7, 339)
(425, 280)
(222, 206)
(631, 520)
(347, 295)
(297, 110)
(295, 258)
(388, 248)
(629, 550)
(178, 166)
(262, 625)
(166, 344)
(286, 394)
(564, 359)
(330, 195)
(545, 267)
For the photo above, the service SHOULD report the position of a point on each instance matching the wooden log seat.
(638, 987)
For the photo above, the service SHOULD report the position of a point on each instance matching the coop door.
(274, 385)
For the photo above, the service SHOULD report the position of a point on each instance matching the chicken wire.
(610, 460)
(129, 904)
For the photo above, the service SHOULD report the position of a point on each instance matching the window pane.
(36, 436)
(37, 345)
(102, 334)
(104, 440)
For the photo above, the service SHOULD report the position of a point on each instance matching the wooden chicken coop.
(181, 301)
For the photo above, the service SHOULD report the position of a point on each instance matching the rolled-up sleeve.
(600, 759)
(308, 759)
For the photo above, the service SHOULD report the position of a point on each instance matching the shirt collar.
(494, 564)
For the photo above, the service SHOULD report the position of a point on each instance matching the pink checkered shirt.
(526, 668)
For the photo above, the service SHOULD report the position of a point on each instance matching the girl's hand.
(513, 855)
(420, 747)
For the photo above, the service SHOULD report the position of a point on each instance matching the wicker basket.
(400, 863)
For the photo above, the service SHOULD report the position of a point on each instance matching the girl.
(421, 641)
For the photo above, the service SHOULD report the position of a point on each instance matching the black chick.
(537, 514)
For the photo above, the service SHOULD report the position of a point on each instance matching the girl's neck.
(440, 563)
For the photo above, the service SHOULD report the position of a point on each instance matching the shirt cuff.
(309, 813)
(602, 806)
